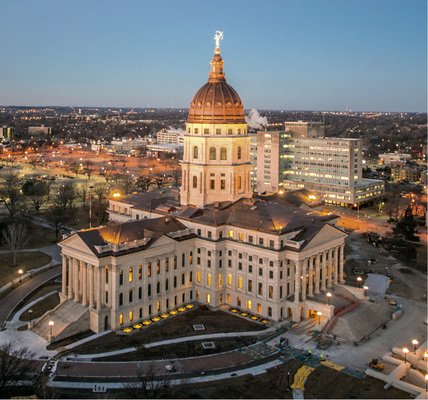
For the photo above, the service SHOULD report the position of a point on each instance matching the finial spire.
(217, 37)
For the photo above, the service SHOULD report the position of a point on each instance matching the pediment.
(325, 236)
(162, 241)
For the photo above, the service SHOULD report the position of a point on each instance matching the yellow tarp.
(330, 364)
(300, 377)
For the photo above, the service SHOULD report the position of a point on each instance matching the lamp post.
(426, 382)
(51, 324)
(359, 279)
(426, 355)
(30, 313)
(365, 287)
(415, 343)
(328, 297)
(319, 313)
(405, 351)
(90, 206)
(358, 209)
(20, 272)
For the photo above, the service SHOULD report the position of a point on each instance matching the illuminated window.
(208, 298)
(149, 269)
(270, 292)
(249, 304)
(229, 279)
(120, 277)
(131, 315)
(158, 306)
(220, 282)
(239, 150)
(191, 257)
(213, 154)
(239, 302)
(231, 234)
(195, 182)
(228, 297)
(198, 276)
(223, 153)
(222, 184)
(140, 272)
(197, 295)
(209, 279)
(239, 282)
(259, 308)
(158, 267)
(121, 319)
(240, 236)
(239, 182)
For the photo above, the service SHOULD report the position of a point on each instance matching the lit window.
(209, 279)
(208, 298)
(220, 282)
(121, 319)
(229, 279)
(239, 282)
(249, 304)
(149, 269)
(131, 315)
(198, 276)
(140, 272)
(231, 234)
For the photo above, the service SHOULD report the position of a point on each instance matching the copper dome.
(216, 101)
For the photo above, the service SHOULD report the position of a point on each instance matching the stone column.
(91, 286)
(317, 274)
(64, 275)
(297, 276)
(98, 288)
(304, 272)
(336, 269)
(85, 284)
(323, 270)
(311, 277)
(342, 248)
(70, 277)
(76, 279)
(329, 265)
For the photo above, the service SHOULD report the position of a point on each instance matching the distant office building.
(253, 160)
(172, 136)
(6, 132)
(400, 172)
(154, 150)
(388, 158)
(331, 167)
(39, 130)
(305, 129)
(127, 145)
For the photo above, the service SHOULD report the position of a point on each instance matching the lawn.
(25, 261)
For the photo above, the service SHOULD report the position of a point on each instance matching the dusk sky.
(368, 55)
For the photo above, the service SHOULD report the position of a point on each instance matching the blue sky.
(368, 55)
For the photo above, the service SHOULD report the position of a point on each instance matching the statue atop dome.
(217, 37)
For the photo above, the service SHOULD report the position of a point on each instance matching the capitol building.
(216, 245)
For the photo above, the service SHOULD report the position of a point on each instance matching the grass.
(25, 261)
(39, 236)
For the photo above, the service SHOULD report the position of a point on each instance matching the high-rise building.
(332, 167)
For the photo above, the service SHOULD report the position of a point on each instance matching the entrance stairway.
(69, 318)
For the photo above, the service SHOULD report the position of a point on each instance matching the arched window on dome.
(195, 182)
(239, 152)
(223, 153)
(213, 153)
(195, 152)
(239, 182)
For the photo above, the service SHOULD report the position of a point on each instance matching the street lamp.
(20, 272)
(51, 324)
(365, 287)
(426, 355)
(30, 313)
(426, 382)
(359, 279)
(328, 297)
(415, 343)
(319, 313)
(358, 209)
(405, 351)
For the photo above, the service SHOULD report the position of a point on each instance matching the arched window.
(223, 153)
(195, 152)
(239, 182)
(213, 154)
(239, 152)
(195, 182)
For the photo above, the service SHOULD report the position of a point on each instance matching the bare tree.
(16, 236)
(38, 194)
(10, 192)
(16, 366)
(101, 191)
(82, 192)
(100, 211)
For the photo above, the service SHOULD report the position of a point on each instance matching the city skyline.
(329, 56)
